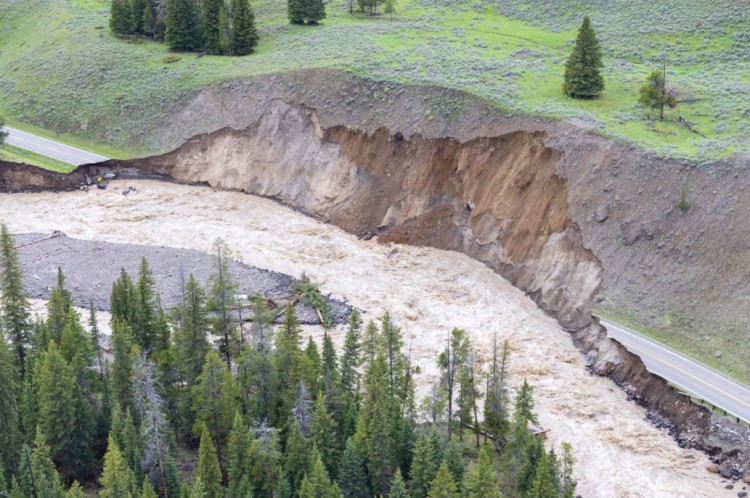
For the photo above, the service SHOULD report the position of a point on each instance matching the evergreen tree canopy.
(183, 28)
(352, 476)
(481, 480)
(443, 485)
(244, 32)
(120, 17)
(14, 305)
(209, 471)
(117, 479)
(582, 77)
(398, 487)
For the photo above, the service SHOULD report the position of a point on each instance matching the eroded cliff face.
(498, 199)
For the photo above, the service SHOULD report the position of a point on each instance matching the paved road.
(695, 378)
(50, 148)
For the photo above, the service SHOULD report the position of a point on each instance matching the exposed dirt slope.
(499, 200)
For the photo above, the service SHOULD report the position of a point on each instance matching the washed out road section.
(51, 148)
(687, 373)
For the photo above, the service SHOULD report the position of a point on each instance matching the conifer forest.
(196, 402)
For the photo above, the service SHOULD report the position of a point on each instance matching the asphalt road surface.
(50, 148)
(692, 376)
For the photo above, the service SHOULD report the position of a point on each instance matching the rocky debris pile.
(91, 268)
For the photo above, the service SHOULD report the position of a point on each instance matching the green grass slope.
(62, 70)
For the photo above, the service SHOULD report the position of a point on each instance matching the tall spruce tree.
(315, 11)
(14, 305)
(374, 436)
(351, 474)
(481, 480)
(496, 420)
(423, 467)
(244, 32)
(238, 447)
(208, 469)
(10, 436)
(443, 485)
(324, 435)
(57, 408)
(191, 332)
(317, 484)
(120, 17)
(121, 375)
(350, 358)
(37, 475)
(210, 10)
(295, 10)
(582, 77)
(117, 478)
(296, 457)
(95, 337)
(222, 285)
(213, 401)
(146, 317)
(183, 30)
(398, 487)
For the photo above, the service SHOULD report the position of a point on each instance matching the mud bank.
(499, 200)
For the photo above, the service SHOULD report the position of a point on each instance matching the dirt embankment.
(499, 200)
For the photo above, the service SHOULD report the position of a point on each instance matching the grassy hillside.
(61, 69)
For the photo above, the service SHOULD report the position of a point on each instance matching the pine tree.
(74, 340)
(352, 477)
(423, 467)
(370, 344)
(545, 484)
(450, 362)
(567, 483)
(57, 310)
(265, 459)
(317, 484)
(122, 364)
(350, 359)
(146, 319)
(136, 9)
(468, 393)
(525, 404)
(244, 32)
(121, 18)
(582, 77)
(198, 489)
(37, 473)
(223, 286)
(374, 438)
(213, 402)
(324, 435)
(237, 451)
(398, 487)
(76, 491)
(287, 365)
(117, 479)
(123, 300)
(148, 490)
(56, 391)
(95, 337)
(443, 485)
(210, 10)
(295, 10)
(454, 461)
(481, 480)
(654, 93)
(209, 471)
(496, 421)
(190, 335)
(183, 29)
(296, 457)
(10, 436)
(314, 11)
(329, 363)
(14, 305)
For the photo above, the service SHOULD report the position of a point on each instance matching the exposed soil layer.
(91, 268)
(501, 200)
